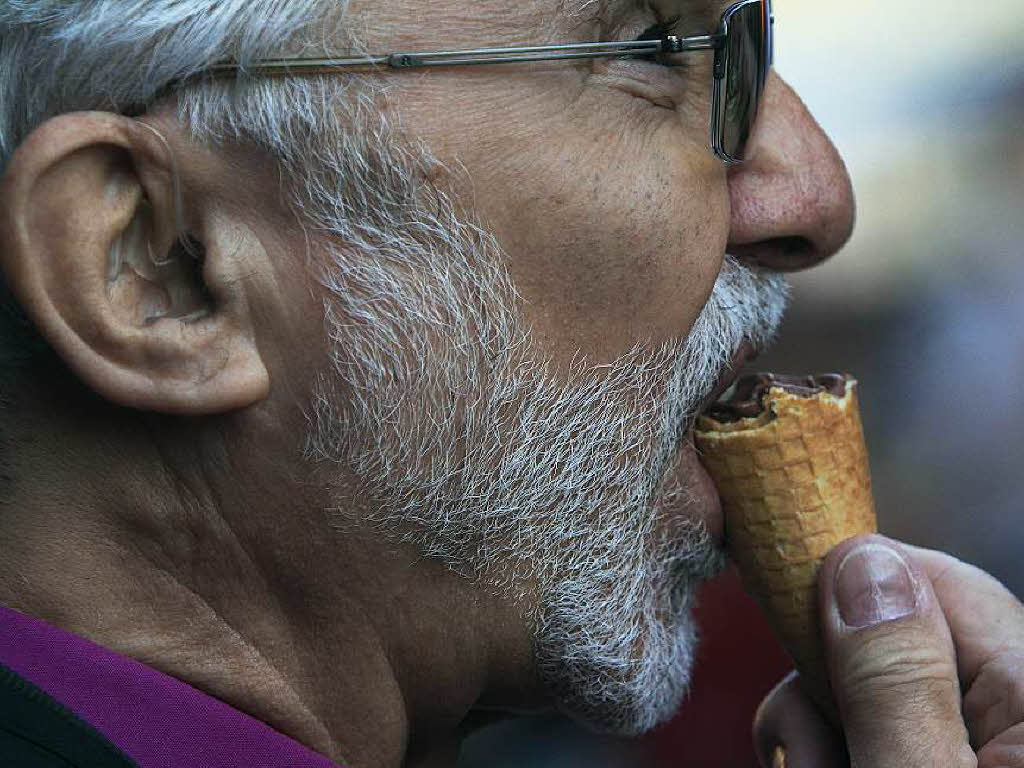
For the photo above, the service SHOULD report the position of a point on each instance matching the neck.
(249, 600)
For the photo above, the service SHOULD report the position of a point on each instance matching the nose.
(792, 200)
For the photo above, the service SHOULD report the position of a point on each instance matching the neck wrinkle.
(207, 554)
(158, 574)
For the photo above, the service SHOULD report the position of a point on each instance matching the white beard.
(544, 486)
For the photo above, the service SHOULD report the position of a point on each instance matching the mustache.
(746, 305)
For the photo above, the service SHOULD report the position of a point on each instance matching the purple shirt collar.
(155, 719)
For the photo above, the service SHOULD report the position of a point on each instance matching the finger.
(1004, 751)
(788, 719)
(987, 624)
(891, 659)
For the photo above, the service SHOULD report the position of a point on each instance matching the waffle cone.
(794, 483)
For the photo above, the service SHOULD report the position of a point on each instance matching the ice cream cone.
(794, 482)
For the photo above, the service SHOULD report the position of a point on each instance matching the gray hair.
(59, 56)
(118, 55)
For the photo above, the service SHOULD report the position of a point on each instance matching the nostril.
(782, 254)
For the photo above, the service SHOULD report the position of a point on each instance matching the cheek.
(613, 213)
(615, 242)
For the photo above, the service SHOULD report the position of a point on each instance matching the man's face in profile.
(494, 297)
(530, 352)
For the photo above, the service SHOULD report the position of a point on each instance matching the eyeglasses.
(743, 47)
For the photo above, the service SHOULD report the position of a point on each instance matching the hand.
(926, 663)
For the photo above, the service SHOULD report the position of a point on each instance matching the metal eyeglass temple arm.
(666, 45)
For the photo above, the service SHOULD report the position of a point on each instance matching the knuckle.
(907, 683)
(898, 669)
(910, 697)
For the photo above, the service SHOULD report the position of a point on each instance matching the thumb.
(891, 659)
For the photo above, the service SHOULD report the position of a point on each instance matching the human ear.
(93, 248)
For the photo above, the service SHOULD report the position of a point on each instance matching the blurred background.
(925, 100)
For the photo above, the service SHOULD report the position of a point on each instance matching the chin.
(619, 678)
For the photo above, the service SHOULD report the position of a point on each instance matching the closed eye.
(658, 30)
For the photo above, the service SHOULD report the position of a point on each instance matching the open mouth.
(730, 373)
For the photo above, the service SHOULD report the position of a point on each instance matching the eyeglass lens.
(748, 57)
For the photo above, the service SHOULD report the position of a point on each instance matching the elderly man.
(343, 406)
